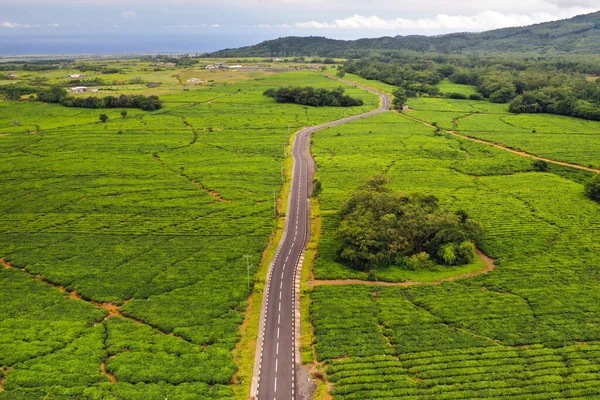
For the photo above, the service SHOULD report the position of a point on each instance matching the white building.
(79, 89)
(75, 76)
(194, 81)
(235, 67)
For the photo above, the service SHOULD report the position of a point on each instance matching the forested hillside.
(580, 35)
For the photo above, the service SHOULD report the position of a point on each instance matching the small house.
(278, 60)
(235, 67)
(194, 81)
(79, 89)
(76, 76)
(13, 76)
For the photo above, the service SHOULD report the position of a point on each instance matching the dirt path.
(108, 375)
(489, 266)
(502, 147)
(113, 310)
(216, 195)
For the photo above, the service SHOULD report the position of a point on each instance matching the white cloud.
(15, 25)
(482, 21)
(271, 26)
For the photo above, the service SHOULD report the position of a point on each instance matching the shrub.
(540, 166)
(458, 96)
(476, 96)
(592, 188)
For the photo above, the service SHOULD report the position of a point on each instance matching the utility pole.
(247, 257)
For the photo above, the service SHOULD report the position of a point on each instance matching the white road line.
(279, 309)
(277, 332)
(278, 320)
(277, 349)
(276, 364)
(275, 389)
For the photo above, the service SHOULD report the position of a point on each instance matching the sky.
(114, 26)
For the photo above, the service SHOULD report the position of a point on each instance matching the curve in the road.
(275, 361)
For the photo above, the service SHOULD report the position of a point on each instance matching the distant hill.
(579, 35)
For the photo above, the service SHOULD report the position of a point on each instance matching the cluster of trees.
(380, 228)
(59, 95)
(184, 60)
(530, 85)
(313, 97)
(561, 101)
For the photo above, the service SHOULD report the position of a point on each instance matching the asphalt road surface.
(277, 367)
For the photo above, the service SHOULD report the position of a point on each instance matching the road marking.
(278, 318)
(276, 364)
(279, 309)
(275, 389)
(277, 349)
(277, 332)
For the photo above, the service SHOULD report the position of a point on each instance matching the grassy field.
(556, 137)
(127, 237)
(446, 86)
(528, 329)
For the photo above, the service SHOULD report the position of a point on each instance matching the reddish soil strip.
(489, 266)
(501, 147)
(3, 377)
(113, 309)
(111, 377)
(214, 194)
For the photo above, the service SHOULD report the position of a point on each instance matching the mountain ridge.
(576, 35)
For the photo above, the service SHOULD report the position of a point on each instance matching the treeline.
(578, 35)
(58, 95)
(184, 60)
(313, 97)
(532, 85)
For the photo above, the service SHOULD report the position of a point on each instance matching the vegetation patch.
(313, 97)
(379, 229)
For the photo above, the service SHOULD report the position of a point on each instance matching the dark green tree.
(592, 188)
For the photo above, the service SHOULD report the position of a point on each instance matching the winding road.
(276, 368)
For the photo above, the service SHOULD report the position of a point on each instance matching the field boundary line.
(490, 265)
(503, 147)
(111, 309)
